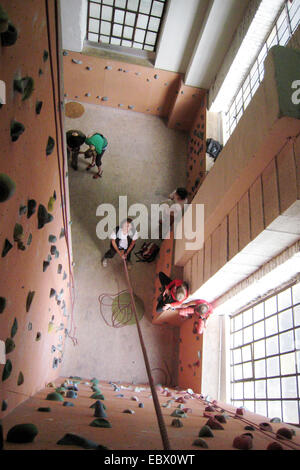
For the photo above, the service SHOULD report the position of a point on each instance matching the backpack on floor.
(147, 253)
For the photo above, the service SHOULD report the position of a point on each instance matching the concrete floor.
(144, 161)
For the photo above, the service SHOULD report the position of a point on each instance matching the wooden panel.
(194, 285)
(233, 237)
(270, 193)
(286, 177)
(224, 242)
(187, 273)
(297, 163)
(207, 259)
(215, 252)
(256, 209)
(200, 270)
(244, 221)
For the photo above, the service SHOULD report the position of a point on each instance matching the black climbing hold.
(43, 216)
(88, 94)
(52, 293)
(77, 61)
(156, 77)
(29, 300)
(29, 327)
(2, 304)
(10, 36)
(45, 55)
(200, 443)
(44, 409)
(22, 433)
(40, 72)
(50, 145)
(249, 428)
(7, 187)
(46, 264)
(65, 53)
(7, 246)
(38, 107)
(59, 269)
(52, 238)
(108, 67)
(62, 233)
(176, 423)
(141, 405)
(20, 378)
(104, 98)
(99, 410)
(205, 431)
(31, 208)
(38, 336)
(4, 405)
(4, 20)
(25, 86)
(130, 412)
(7, 370)
(9, 345)
(55, 363)
(53, 250)
(14, 328)
(71, 439)
(16, 129)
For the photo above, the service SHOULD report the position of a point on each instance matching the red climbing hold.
(214, 424)
(243, 442)
(274, 446)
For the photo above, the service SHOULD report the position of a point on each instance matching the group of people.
(97, 146)
(123, 238)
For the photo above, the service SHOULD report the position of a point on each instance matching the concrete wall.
(74, 22)
(36, 176)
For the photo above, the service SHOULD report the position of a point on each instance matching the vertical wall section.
(35, 274)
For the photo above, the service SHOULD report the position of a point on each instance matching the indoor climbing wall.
(190, 357)
(196, 160)
(132, 87)
(35, 260)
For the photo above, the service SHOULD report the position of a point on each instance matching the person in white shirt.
(123, 240)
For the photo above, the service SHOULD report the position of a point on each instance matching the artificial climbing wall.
(196, 160)
(133, 87)
(34, 263)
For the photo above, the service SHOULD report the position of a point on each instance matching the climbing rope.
(123, 312)
(160, 419)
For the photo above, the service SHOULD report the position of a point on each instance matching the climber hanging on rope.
(173, 293)
(201, 309)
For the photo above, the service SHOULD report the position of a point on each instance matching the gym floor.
(145, 161)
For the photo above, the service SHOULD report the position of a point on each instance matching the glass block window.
(129, 23)
(265, 356)
(286, 24)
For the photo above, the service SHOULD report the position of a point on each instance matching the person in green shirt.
(97, 145)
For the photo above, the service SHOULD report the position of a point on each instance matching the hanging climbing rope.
(160, 419)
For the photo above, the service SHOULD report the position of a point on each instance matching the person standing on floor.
(74, 141)
(97, 146)
(173, 293)
(201, 309)
(123, 240)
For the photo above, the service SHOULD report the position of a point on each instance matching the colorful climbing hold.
(200, 443)
(6, 248)
(54, 396)
(205, 431)
(100, 423)
(50, 145)
(70, 439)
(25, 86)
(16, 130)
(2, 304)
(176, 423)
(9, 345)
(243, 442)
(43, 216)
(29, 300)
(284, 433)
(14, 328)
(10, 36)
(44, 409)
(7, 370)
(214, 424)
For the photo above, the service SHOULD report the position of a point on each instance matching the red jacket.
(172, 288)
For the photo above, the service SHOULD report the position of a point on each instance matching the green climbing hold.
(9, 345)
(2, 304)
(205, 431)
(14, 328)
(44, 409)
(178, 413)
(16, 129)
(29, 300)
(20, 378)
(94, 405)
(100, 423)
(51, 204)
(50, 146)
(22, 433)
(43, 216)
(7, 187)
(52, 239)
(54, 396)
(71, 439)
(25, 86)
(97, 396)
(3, 20)
(7, 370)
(6, 248)
(200, 443)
